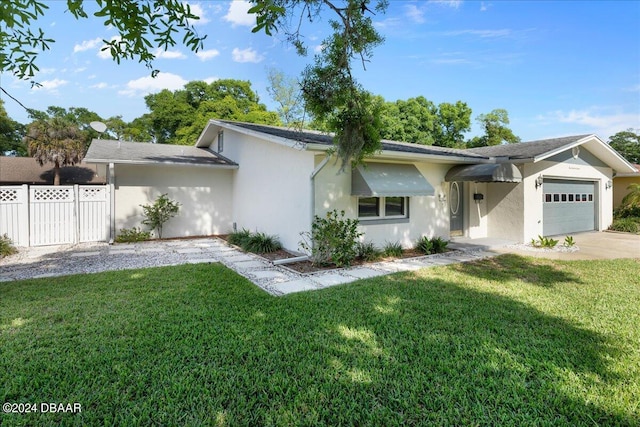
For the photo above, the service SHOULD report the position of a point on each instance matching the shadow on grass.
(184, 344)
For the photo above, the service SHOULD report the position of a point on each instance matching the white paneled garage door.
(568, 206)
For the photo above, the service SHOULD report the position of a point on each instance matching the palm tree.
(55, 141)
(633, 198)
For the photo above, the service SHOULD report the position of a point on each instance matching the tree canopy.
(11, 133)
(627, 143)
(495, 130)
(142, 25)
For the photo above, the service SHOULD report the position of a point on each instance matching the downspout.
(315, 172)
(112, 202)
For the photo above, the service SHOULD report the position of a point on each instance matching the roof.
(109, 151)
(295, 137)
(527, 150)
(26, 170)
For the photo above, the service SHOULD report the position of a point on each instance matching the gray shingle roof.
(315, 137)
(527, 150)
(26, 170)
(107, 151)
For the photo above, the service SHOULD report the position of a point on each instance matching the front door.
(456, 208)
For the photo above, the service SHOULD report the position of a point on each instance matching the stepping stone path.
(55, 261)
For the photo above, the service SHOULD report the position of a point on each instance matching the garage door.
(568, 206)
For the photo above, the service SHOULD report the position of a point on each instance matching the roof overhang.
(598, 148)
(389, 179)
(496, 172)
(210, 132)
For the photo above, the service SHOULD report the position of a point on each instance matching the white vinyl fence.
(52, 215)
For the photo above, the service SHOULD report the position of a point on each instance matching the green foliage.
(392, 249)
(631, 200)
(142, 27)
(569, 241)
(11, 134)
(544, 242)
(627, 225)
(6, 246)
(239, 238)
(332, 240)
(367, 251)
(331, 93)
(627, 212)
(287, 93)
(55, 141)
(161, 211)
(627, 143)
(132, 235)
(495, 130)
(430, 246)
(261, 243)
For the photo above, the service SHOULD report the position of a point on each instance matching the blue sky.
(558, 67)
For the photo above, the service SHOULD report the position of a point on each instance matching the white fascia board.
(141, 162)
(411, 157)
(298, 145)
(207, 135)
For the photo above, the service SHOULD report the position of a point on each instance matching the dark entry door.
(456, 208)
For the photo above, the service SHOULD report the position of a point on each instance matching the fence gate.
(52, 215)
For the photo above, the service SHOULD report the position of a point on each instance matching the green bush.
(6, 246)
(239, 238)
(627, 212)
(367, 251)
(261, 243)
(439, 245)
(544, 242)
(569, 242)
(161, 211)
(425, 245)
(332, 240)
(130, 235)
(392, 249)
(628, 225)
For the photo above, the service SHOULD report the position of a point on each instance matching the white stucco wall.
(427, 215)
(271, 188)
(547, 169)
(505, 207)
(204, 193)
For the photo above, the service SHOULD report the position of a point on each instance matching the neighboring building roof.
(527, 150)
(109, 151)
(26, 170)
(310, 137)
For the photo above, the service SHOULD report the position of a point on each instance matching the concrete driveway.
(593, 245)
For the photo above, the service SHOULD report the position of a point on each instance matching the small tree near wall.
(161, 211)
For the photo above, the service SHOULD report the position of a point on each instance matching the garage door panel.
(568, 207)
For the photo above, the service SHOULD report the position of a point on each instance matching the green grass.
(505, 341)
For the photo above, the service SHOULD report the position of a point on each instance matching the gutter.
(312, 178)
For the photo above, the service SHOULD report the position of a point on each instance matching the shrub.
(627, 212)
(332, 240)
(544, 242)
(439, 245)
(239, 238)
(162, 210)
(569, 242)
(6, 246)
(425, 245)
(628, 225)
(393, 249)
(130, 235)
(261, 243)
(367, 251)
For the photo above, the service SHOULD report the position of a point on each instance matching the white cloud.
(210, 80)
(635, 88)
(480, 33)
(318, 49)
(599, 120)
(238, 15)
(414, 13)
(87, 45)
(51, 85)
(197, 10)
(168, 54)
(484, 6)
(101, 85)
(449, 3)
(146, 85)
(246, 55)
(205, 55)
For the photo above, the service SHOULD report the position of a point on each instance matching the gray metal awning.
(389, 179)
(493, 172)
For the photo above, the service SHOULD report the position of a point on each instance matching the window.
(564, 197)
(571, 197)
(591, 197)
(556, 197)
(220, 141)
(547, 198)
(383, 207)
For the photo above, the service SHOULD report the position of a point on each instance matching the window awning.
(387, 179)
(494, 172)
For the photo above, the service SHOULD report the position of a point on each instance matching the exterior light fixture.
(539, 181)
(608, 185)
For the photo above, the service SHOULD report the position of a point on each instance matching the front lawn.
(504, 341)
